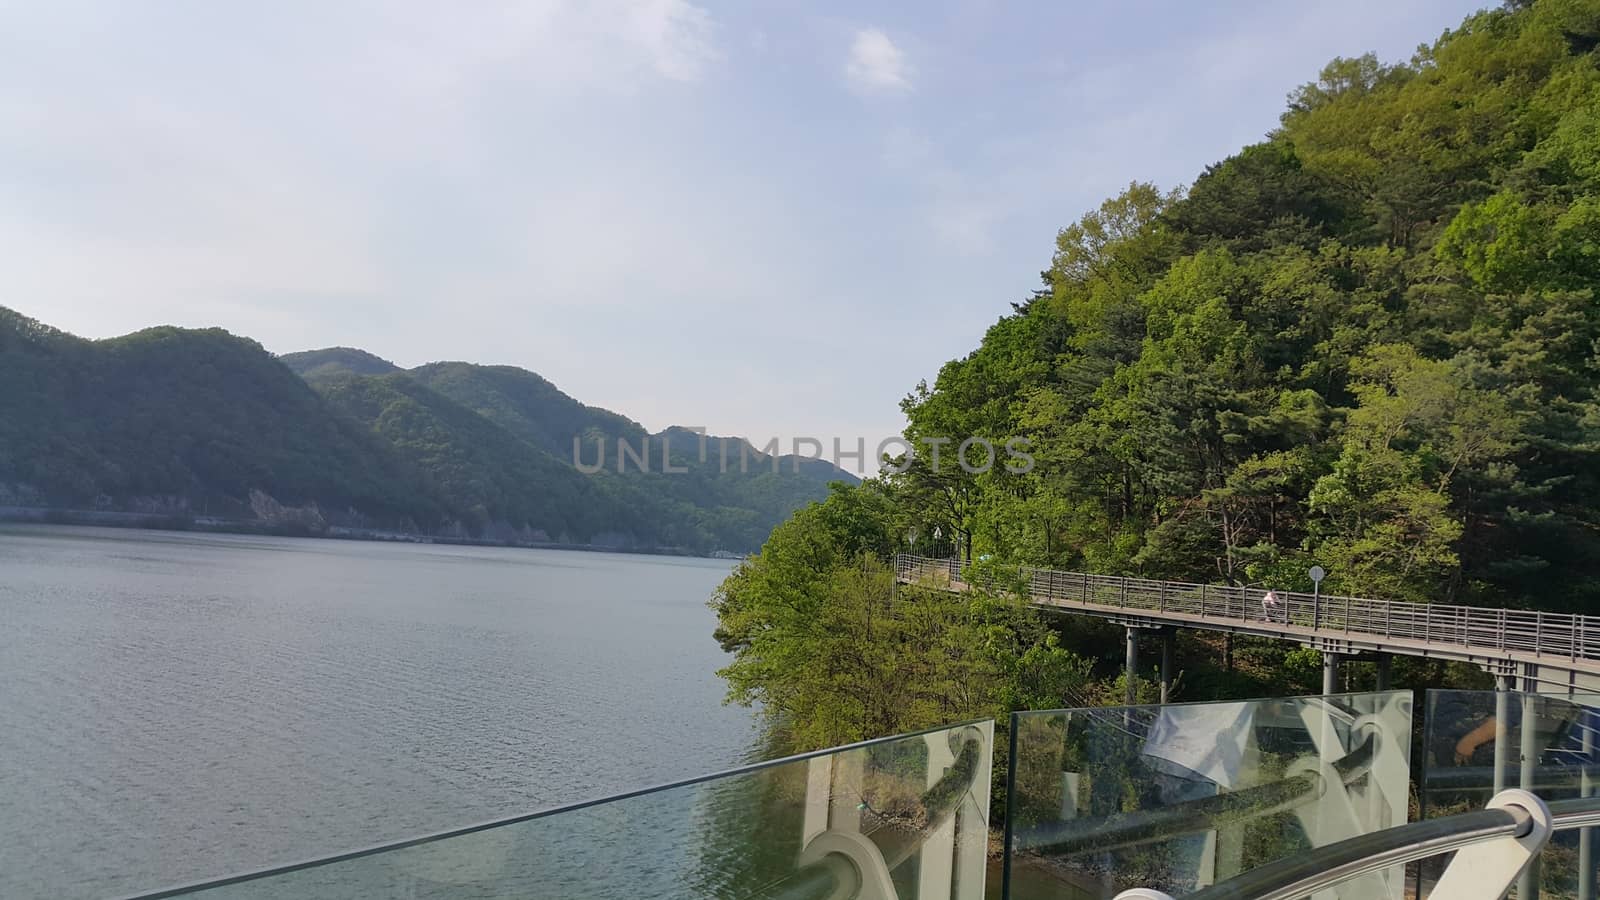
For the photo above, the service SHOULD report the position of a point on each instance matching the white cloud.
(876, 65)
(677, 35)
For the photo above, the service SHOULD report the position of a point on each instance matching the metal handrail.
(1193, 816)
(1165, 823)
(1306, 873)
(1579, 812)
(1544, 777)
(1321, 868)
(1555, 636)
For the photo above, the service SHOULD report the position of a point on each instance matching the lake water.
(178, 706)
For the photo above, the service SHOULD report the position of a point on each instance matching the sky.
(770, 218)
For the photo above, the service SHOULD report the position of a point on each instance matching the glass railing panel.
(1549, 745)
(1181, 796)
(902, 818)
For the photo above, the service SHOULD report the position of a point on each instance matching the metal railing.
(1514, 816)
(1550, 636)
(1194, 816)
(1308, 873)
(1315, 870)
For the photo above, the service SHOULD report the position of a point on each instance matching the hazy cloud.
(679, 36)
(876, 65)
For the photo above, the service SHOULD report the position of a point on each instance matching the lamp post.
(1330, 660)
(1317, 573)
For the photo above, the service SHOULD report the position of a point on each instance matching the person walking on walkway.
(1271, 608)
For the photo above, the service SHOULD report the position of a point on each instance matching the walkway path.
(1558, 651)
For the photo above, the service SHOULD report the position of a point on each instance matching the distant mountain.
(335, 361)
(490, 476)
(724, 501)
(209, 426)
(172, 420)
(526, 405)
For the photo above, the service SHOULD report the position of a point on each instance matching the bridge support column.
(1586, 835)
(1166, 663)
(1528, 881)
(1502, 714)
(1330, 673)
(1383, 672)
(1132, 668)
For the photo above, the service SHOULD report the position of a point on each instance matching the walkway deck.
(1504, 641)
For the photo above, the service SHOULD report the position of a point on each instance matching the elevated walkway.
(1552, 653)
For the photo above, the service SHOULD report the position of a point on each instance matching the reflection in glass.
(1477, 742)
(1182, 796)
(902, 818)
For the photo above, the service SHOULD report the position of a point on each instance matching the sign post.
(1317, 573)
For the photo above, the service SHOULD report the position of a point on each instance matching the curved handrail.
(1315, 870)
(1306, 873)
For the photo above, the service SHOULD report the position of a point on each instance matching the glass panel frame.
(1464, 741)
(897, 818)
(1176, 797)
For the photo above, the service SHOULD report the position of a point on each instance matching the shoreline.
(45, 515)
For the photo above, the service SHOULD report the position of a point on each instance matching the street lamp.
(1317, 573)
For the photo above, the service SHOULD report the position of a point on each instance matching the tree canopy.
(1368, 342)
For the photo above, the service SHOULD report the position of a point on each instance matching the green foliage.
(494, 480)
(174, 421)
(1371, 342)
(1301, 670)
(826, 642)
(332, 362)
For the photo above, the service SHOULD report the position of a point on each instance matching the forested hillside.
(1367, 342)
(312, 364)
(501, 487)
(1370, 341)
(527, 405)
(205, 427)
(727, 497)
(170, 420)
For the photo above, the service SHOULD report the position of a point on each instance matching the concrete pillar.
(1330, 673)
(1383, 672)
(1166, 663)
(1502, 713)
(1586, 789)
(1132, 668)
(1528, 881)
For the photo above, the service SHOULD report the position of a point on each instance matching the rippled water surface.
(177, 706)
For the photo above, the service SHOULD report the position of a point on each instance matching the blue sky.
(767, 218)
